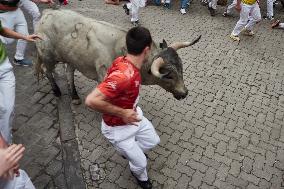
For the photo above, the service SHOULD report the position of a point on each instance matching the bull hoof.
(57, 93)
(76, 101)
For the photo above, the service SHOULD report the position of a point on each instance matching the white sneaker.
(247, 32)
(182, 11)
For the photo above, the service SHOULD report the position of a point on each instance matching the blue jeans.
(184, 4)
(157, 2)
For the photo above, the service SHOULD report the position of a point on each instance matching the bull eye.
(168, 76)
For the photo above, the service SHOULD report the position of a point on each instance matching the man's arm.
(96, 100)
(43, 1)
(238, 6)
(12, 34)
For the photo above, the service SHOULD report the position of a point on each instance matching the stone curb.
(71, 156)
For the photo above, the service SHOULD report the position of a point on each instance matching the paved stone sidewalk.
(228, 132)
(36, 127)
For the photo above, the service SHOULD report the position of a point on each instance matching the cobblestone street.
(228, 133)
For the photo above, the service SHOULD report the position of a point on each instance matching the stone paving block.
(222, 137)
(33, 169)
(210, 129)
(222, 159)
(236, 181)
(115, 173)
(197, 166)
(198, 131)
(196, 179)
(19, 121)
(54, 167)
(47, 155)
(184, 169)
(210, 176)
(235, 168)
(223, 185)
(264, 184)
(252, 186)
(171, 173)
(183, 182)
(250, 177)
(170, 183)
(221, 147)
(210, 140)
(199, 142)
(223, 172)
(42, 181)
(60, 182)
(173, 158)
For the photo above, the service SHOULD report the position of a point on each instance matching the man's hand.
(9, 159)
(238, 7)
(32, 38)
(44, 1)
(130, 116)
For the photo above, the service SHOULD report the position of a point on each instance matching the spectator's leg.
(244, 17)
(21, 27)
(32, 9)
(7, 99)
(255, 17)
(270, 9)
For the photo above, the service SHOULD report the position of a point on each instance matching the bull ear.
(164, 44)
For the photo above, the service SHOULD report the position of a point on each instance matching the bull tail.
(38, 67)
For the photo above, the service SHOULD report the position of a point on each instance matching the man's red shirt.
(121, 87)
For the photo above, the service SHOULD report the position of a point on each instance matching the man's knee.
(36, 15)
(156, 140)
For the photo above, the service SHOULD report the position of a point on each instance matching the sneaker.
(225, 14)
(212, 11)
(275, 24)
(182, 11)
(135, 23)
(204, 3)
(247, 32)
(147, 157)
(268, 18)
(143, 184)
(167, 5)
(126, 10)
(24, 62)
(235, 37)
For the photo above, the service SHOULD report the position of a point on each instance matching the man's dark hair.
(137, 39)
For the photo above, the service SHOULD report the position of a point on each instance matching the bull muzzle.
(180, 95)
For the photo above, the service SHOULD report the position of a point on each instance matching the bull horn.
(179, 45)
(155, 67)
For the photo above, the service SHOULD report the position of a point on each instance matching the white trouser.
(213, 4)
(15, 20)
(270, 8)
(249, 16)
(132, 142)
(231, 7)
(281, 25)
(7, 99)
(134, 6)
(32, 9)
(21, 182)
